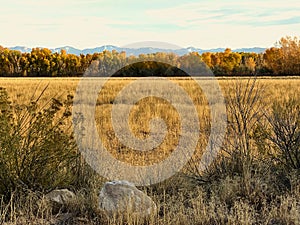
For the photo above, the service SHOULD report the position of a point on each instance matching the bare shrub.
(239, 151)
(244, 109)
(284, 133)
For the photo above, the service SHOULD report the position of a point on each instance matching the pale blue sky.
(201, 23)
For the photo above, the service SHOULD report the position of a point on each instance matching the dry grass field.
(23, 90)
(251, 182)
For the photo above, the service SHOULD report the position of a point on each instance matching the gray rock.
(120, 197)
(60, 198)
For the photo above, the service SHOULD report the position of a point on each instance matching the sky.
(199, 23)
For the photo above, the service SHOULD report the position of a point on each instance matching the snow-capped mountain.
(138, 51)
(21, 48)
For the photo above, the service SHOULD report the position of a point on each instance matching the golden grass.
(21, 90)
(179, 202)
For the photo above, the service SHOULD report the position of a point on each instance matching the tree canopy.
(283, 59)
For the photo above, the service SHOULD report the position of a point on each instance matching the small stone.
(122, 197)
(60, 198)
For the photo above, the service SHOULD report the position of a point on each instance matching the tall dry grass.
(253, 181)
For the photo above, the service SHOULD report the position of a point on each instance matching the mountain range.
(137, 51)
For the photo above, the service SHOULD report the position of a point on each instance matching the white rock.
(120, 197)
(61, 197)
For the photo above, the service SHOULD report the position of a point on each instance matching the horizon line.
(124, 47)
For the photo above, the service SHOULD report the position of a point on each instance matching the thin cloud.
(200, 23)
(255, 14)
(146, 26)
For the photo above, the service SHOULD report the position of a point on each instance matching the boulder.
(122, 197)
(60, 198)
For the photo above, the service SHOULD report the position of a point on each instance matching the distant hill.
(21, 49)
(137, 51)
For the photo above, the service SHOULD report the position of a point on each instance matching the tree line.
(283, 59)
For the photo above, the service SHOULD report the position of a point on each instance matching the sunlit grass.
(253, 199)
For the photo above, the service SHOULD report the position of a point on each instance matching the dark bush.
(37, 150)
